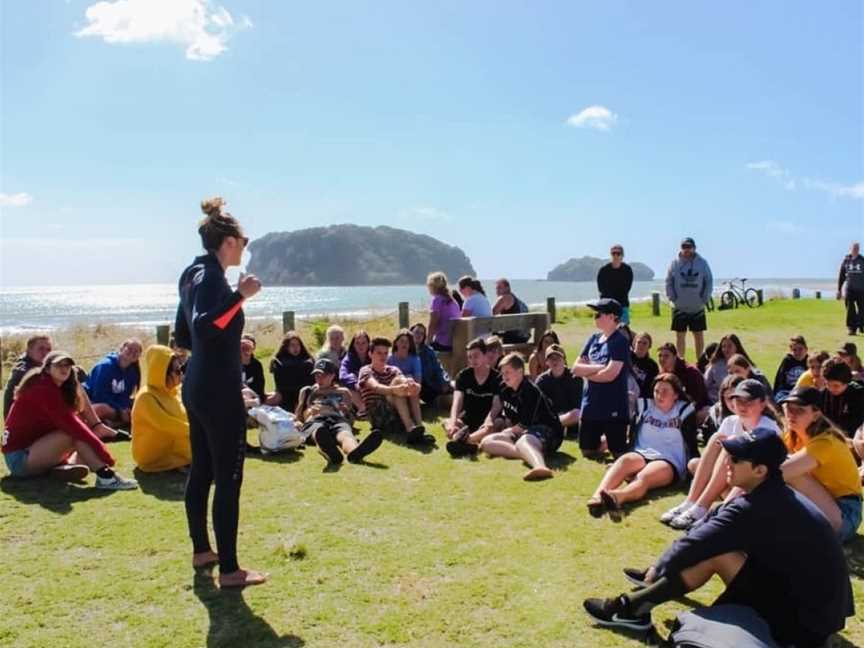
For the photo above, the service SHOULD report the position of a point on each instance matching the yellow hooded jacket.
(160, 427)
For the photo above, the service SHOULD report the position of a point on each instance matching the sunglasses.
(686, 247)
(617, 253)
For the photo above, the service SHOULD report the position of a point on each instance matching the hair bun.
(212, 207)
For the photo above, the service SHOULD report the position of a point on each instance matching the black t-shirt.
(253, 377)
(615, 283)
(564, 392)
(528, 406)
(478, 398)
(645, 370)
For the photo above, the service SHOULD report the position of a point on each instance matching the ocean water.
(45, 308)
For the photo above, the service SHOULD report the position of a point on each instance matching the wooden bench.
(466, 329)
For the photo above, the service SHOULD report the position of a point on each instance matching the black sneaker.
(416, 435)
(367, 446)
(636, 576)
(615, 613)
(461, 449)
(611, 505)
(327, 446)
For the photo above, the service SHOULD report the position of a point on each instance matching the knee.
(692, 465)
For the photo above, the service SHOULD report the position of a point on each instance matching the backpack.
(278, 429)
(721, 626)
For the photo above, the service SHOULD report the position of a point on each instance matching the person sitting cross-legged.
(113, 381)
(664, 439)
(532, 429)
(763, 545)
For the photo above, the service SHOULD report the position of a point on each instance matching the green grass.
(413, 550)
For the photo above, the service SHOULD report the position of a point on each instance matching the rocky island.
(586, 267)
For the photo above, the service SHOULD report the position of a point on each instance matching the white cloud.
(837, 190)
(596, 117)
(773, 169)
(203, 28)
(769, 168)
(15, 200)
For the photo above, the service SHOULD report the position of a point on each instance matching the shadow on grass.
(560, 461)
(232, 622)
(169, 485)
(854, 551)
(57, 497)
(288, 456)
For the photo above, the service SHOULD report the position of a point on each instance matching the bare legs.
(643, 476)
(525, 447)
(53, 448)
(698, 342)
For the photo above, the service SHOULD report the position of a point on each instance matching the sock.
(698, 512)
(685, 505)
(105, 472)
(665, 589)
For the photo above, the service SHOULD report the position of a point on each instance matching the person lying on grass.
(709, 478)
(820, 465)
(532, 429)
(325, 409)
(392, 401)
(664, 439)
(476, 395)
(774, 551)
(45, 435)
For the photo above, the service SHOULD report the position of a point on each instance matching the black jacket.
(253, 377)
(847, 409)
(615, 283)
(291, 374)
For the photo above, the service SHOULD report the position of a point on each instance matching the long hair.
(353, 352)
(822, 425)
(333, 328)
(437, 281)
(739, 349)
(422, 326)
(731, 381)
(547, 333)
(472, 283)
(286, 340)
(68, 390)
(412, 347)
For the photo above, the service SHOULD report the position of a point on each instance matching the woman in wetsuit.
(209, 323)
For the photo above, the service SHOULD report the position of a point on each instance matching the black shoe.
(416, 435)
(615, 613)
(327, 446)
(636, 576)
(367, 446)
(611, 505)
(461, 449)
(852, 332)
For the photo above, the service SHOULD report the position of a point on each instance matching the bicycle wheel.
(728, 300)
(751, 297)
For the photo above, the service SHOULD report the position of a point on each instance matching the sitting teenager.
(663, 441)
(849, 354)
(717, 368)
(436, 382)
(704, 359)
(475, 396)
(709, 472)
(604, 365)
(356, 358)
(642, 365)
(325, 410)
(773, 550)
(160, 426)
(292, 371)
(44, 434)
(722, 409)
(793, 365)
(694, 383)
(443, 310)
(562, 388)
(113, 381)
(494, 351)
(38, 346)
(334, 345)
(476, 304)
(537, 360)
(843, 399)
(741, 366)
(404, 356)
(820, 466)
(532, 430)
(392, 401)
(813, 376)
(507, 303)
(252, 369)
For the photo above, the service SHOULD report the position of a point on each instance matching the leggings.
(854, 310)
(218, 439)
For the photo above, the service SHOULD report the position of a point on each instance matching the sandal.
(242, 578)
(610, 503)
(204, 560)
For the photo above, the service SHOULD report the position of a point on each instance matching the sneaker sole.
(71, 474)
(639, 626)
(117, 487)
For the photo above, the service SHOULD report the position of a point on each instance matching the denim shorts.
(850, 511)
(16, 462)
(625, 315)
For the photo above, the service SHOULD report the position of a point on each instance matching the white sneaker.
(688, 518)
(675, 511)
(116, 482)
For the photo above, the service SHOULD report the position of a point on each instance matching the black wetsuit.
(209, 323)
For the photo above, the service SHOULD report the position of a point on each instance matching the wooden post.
(404, 315)
(796, 293)
(550, 308)
(818, 294)
(163, 334)
(287, 321)
(655, 304)
(760, 296)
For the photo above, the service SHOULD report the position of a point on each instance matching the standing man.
(615, 279)
(688, 287)
(852, 274)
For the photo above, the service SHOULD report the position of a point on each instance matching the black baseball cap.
(751, 389)
(803, 396)
(325, 365)
(848, 349)
(762, 446)
(688, 242)
(606, 305)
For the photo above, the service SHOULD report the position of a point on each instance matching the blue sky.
(524, 132)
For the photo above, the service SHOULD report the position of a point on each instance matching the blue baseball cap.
(762, 446)
(606, 305)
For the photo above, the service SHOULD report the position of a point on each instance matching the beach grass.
(412, 549)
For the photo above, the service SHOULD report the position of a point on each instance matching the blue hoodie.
(689, 283)
(110, 384)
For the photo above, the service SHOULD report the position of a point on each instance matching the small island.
(353, 255)
(586, 267)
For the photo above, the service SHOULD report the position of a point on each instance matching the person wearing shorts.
(689, 284)
(474, 399)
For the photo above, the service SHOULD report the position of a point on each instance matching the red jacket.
(40, 409)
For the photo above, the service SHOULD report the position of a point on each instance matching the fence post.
(550, 308)
(404, 315)
(163, 334)
(796, 293)
(818, 294)
(655, 304)
(287, 321)
(760, 296)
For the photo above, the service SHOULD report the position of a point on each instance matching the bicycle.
(736, 293)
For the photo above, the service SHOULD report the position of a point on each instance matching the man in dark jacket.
(852, 274)
(772, 548)
(615, 279)
(843, 399)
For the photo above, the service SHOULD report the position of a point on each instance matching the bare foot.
(204, 559)
(539, 473)
(242, 578)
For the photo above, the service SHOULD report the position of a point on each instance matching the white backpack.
(278, 429)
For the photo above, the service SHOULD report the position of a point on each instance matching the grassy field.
(412, 549)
